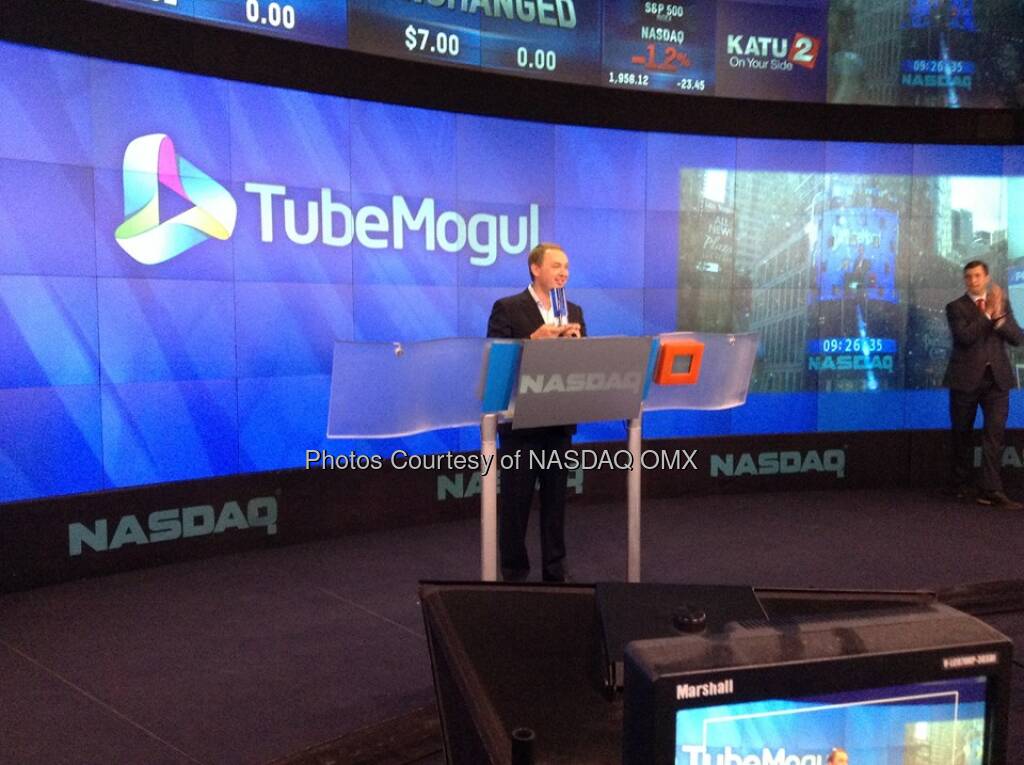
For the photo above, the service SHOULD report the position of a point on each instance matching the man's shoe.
(998, 500)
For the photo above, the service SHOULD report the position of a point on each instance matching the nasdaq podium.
(387, 390)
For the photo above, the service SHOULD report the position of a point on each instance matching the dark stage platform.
(270, 656)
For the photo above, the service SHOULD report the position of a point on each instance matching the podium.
(534, 383)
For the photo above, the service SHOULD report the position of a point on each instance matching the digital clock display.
(864, 345)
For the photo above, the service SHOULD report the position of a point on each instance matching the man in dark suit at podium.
(979, 374)
(529, 315)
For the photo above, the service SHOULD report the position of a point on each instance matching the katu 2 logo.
(151, 162)
(777, 53)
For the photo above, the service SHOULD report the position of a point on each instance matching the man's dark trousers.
(516, 494)
(963, 406)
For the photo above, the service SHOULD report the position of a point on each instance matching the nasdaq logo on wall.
(780, 463)
(152, 166)
(176, 523)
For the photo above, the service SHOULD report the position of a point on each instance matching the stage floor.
(254, 658)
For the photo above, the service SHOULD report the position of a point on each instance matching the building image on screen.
(938, 723)
(953, 54)
(845, 276)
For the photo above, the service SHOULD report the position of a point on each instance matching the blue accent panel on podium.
(652, 361)
(502, 365)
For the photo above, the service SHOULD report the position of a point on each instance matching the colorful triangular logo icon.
(149, 163)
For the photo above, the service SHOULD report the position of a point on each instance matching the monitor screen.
(954, 54)
(922, 685)
(936, 723)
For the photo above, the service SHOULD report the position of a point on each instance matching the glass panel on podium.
(381, 390)
(721, 381)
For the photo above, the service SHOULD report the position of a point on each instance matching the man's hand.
(545, 331)
(997, 301)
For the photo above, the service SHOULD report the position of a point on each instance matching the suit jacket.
(977, 344)
(517, 316)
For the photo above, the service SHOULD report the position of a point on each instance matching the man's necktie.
(981, 304)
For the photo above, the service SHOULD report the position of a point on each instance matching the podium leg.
(489, 499)
(633, 503)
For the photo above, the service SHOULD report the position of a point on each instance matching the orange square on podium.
(678, 362)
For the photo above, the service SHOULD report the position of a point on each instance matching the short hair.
(834, 752)
(975, 264)
(536, 256)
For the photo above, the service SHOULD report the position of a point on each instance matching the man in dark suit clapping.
(979, 374)
(530, 315)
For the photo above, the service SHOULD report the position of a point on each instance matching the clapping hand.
(996, 301)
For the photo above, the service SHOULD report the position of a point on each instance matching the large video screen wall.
(179, 253)
(953, 53)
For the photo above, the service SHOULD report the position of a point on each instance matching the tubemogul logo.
(177, 523)
(336, 224)
(149, 163)
(775, 53)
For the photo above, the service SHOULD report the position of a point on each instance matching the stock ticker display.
(178, 254)
(934, 53)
